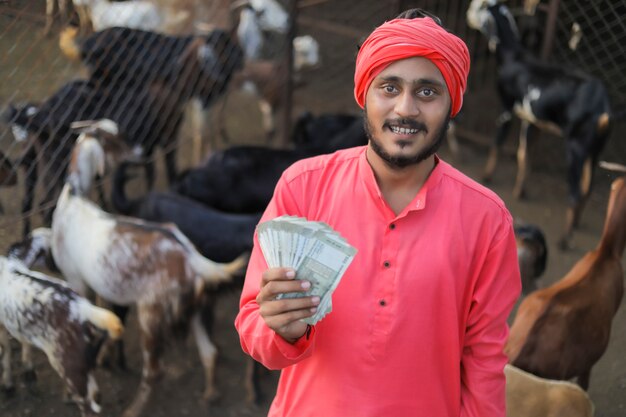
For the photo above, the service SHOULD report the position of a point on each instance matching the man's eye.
(389, 88)
(426, 92)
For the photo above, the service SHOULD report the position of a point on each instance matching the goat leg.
(150, 322)
(580, 171)
(170, 165)
(150, 173)
(503, 126)
(5, 351)
(199, 121)
(208, 357)
(253, 382)
(522, 159)
(28, 374)
(104, 355)
(49, 17)
(268, 113)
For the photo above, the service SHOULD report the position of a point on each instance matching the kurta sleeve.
(257, 339)
(497, 288)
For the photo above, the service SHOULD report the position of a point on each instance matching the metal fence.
(32, 67)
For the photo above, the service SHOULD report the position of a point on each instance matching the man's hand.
(283, 316)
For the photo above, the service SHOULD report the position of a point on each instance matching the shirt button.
(392, 226)
(382, 303)
(386, 264)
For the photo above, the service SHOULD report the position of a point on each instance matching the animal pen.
(192, 118)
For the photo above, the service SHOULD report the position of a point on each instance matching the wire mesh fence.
(120, 73)
(154, 87)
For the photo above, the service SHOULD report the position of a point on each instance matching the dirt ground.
(179, 390)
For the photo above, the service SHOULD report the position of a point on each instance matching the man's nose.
(407, 105)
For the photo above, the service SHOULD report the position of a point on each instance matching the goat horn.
(612, 166)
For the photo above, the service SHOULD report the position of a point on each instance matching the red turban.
(404, 38)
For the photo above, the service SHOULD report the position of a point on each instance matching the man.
(419, 319)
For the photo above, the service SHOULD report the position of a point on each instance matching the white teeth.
(403, 131)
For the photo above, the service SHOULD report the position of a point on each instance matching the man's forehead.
(414, 70)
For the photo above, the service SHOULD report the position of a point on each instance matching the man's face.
(407, 111)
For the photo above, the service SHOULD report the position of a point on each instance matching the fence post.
(548, 42)
(288, 86)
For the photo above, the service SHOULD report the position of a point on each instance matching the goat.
(561, 331)
(532, 254)
(47, 134)
(148, 114)
(137, 14)
(44, 312)
(247, 21)
(35, 251)
(129, 261)
(225, 237)
(123, 56)
(241, 179)
(528, 395)
(552, 98)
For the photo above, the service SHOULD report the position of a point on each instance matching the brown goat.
(561, 331)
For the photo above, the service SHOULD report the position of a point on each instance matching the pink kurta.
(419, 319)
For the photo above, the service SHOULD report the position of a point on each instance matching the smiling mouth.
(403, 130)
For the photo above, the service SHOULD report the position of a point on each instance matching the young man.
(419, 319)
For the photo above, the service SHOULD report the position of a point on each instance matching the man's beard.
(400, 161)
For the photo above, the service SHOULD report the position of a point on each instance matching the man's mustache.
(407, 124)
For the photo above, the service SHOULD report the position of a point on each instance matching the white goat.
(528, 395)
(128, 261)
(139, 14)
(44, 312)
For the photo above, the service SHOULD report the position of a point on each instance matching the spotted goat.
(128, 261)
(44, 312)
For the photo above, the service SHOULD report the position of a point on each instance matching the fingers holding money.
(283, 315)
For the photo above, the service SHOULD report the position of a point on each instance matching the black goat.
(140, 117)
(127, 57)
(147, 115)
(220, 236)
(553, 98)
(242, 179)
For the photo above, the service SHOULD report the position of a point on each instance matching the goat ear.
(82, 125)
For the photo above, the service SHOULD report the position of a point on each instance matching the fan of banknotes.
(318, 254)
